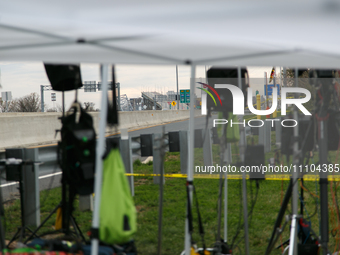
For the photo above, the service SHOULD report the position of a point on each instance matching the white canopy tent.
(226, 33)
(253, 33)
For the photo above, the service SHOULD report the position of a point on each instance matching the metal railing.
(133, 147)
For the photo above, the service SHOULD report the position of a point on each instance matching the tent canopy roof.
(257, 33)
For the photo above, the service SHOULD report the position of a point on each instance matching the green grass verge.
(146, 201)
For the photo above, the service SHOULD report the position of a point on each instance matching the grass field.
(265, 210)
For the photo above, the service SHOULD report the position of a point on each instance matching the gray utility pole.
(42, 89)
(177, 96)
(118, 88)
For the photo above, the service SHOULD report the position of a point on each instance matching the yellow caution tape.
(269, 177)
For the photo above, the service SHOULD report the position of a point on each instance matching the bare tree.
(4, 107)
(89, 107)
(53, 109)
(58, 108)
(29, 103)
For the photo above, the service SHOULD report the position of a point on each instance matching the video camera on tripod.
(77, 150)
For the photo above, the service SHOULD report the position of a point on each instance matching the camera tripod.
(67, 217)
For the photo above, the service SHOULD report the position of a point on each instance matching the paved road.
(51, 178)
(173, 126)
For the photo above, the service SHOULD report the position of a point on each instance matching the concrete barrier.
(28, 129)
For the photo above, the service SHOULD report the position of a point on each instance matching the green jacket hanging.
(117, 210)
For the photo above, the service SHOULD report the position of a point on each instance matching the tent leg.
(243, 145)
(228, 158)
(225, 207)
(99, 160)
(191, 152)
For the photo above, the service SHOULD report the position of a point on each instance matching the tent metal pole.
(228, 162)
(226, 198)
(99, 160)
(225, 207)
(190, 176)
(244, 182)
(295, 175)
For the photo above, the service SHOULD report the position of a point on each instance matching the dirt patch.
(141, 182)
(10, 202)
(172, 158)
(139, 208)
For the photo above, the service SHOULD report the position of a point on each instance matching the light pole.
(42, 89)
(177, 96)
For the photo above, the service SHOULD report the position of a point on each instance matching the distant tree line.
(28, 103)
(32, 103)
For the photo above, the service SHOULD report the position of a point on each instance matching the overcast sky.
(23, 78)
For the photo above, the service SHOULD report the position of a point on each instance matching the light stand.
(323, 80)
(322, 120)
(160, 141)
(219, 205)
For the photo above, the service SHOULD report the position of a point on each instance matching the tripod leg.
(16, 235)
(2, 236)
(33, 232)
(77, 229)
(280, 216)
(42, 224)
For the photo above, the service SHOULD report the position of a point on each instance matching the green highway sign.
(184, 96)
(188, 96)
